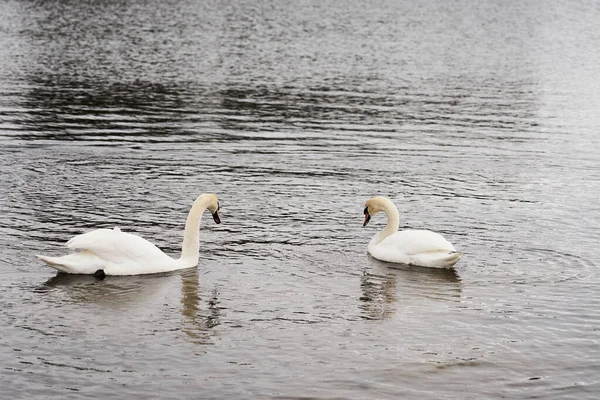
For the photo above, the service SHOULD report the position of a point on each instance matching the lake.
(480, 120)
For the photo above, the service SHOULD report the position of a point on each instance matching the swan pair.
(113, 252)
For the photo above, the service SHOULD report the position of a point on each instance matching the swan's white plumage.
(115, 246)
(122, 253)
(416, 247)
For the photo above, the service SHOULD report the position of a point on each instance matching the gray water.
(480, 120)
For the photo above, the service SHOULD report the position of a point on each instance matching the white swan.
(112, 252)
(415, 247)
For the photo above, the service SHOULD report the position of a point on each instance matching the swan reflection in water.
(198, 323)
(130, 294)
(118, 292)
(387, 286)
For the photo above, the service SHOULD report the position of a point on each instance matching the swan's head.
(212, 204)
(372, 207)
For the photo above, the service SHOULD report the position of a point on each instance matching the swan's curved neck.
(190, 250)
(393, 218)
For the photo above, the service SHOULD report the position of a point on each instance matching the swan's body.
(415, 247)
(119, 253)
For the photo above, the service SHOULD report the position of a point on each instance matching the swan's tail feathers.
(83, 262)
(436, 259)
(54, 262)
(451, 259)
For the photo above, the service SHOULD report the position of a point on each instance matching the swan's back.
(115, 246)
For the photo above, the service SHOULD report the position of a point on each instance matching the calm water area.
(479, 119)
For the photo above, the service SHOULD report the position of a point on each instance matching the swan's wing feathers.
(116, 246)
(416, 241)
(99, 239)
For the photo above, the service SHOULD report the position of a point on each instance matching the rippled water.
(479, 119)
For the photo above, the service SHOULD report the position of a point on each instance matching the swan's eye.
(367, 210)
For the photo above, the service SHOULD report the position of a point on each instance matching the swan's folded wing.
(389, 254)
(115, 246)
(412, 242)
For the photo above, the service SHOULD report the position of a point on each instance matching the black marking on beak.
(216, 217)
(367, 217)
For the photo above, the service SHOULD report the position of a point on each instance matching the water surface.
(479, 120)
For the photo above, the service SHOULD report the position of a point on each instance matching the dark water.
(479, 119)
